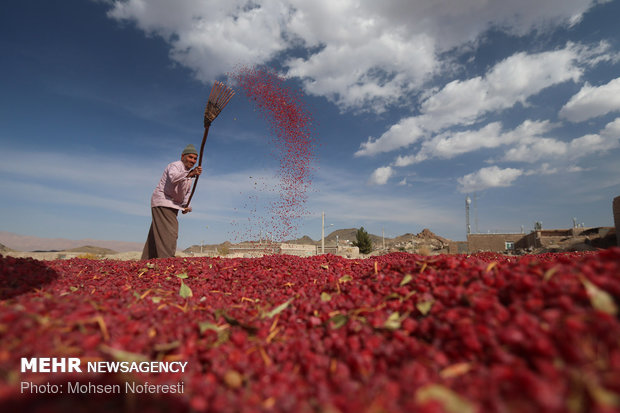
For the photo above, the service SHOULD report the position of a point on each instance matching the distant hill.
(306, 240)
(4, 249)
(426, 236)
(30, 243)
(210, 247)
(342, 235)
(89, 249)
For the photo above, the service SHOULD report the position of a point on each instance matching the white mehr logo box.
(51, 365)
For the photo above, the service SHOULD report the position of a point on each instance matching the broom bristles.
(218, 98)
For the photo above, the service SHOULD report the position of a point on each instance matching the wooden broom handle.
(218, 98)
(202, 148)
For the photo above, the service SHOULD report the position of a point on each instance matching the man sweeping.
(171, 195)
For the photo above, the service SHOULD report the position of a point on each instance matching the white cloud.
(381, 175)
(406, 160)
(455, 22)
(533, 149)
(591, 102)
(211, 37)
(362, 54)
(402, 134)
(368, 73)
(509, 82)
(607, 139)
(612, 130)
(490, 177)
(447, 145)
(366, 55)
(594, 54)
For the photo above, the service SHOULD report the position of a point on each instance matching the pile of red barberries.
(395, 333)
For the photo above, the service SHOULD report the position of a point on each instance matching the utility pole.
(383, 236)
(203, 241)
(323, 233)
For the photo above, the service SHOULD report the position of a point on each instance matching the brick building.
(547, 238)
(494, 242)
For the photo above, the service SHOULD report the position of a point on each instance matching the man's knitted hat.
(189, 149)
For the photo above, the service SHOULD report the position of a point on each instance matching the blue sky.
(415, 104)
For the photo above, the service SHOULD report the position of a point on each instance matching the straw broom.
(218, 98)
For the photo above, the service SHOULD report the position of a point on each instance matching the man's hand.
(186, 210)
(195, 172)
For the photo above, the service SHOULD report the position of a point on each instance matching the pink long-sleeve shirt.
(173, 188)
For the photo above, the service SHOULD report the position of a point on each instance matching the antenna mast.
(467, 203)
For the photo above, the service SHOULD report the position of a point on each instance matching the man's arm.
(195, 172)
(177, 174)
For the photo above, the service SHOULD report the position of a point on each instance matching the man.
(170, 196)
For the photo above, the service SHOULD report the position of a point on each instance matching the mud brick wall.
(491, 242)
